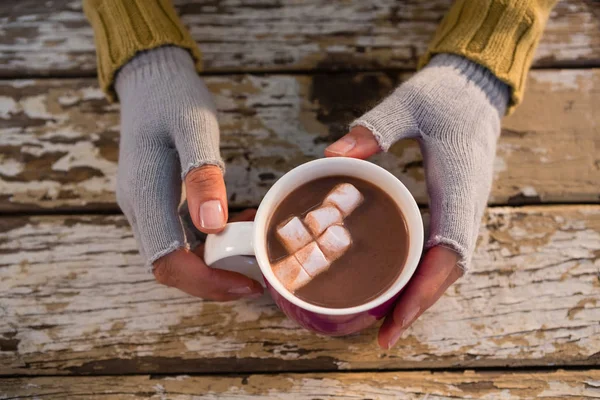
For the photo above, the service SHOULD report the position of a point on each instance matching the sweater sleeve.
(123, 28)
(501, 35)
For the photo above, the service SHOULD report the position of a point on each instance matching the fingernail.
(245, 291)
(394, 339)
(240, 290)
(211, 215)
(408, 318)
(342, 146)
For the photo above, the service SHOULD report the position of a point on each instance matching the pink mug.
(249, 239)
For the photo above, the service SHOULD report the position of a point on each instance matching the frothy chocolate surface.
(376, 257)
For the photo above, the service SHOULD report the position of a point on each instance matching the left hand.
(453, 107)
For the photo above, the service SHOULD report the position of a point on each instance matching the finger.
(246, 215)
(156, 193)
(390, 326)
(207, 198)
(186, 271)
(437, 271)
(358, 143)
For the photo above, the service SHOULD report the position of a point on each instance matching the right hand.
(453, 107)
(169, 133)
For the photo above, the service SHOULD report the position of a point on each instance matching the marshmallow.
(345, 197)
(312, 259)
(322, 218)
(293, 235)
(335, 242)
(290, 273)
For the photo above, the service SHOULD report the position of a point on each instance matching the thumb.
(436, 272)
(207, 198)
(358, 143)
(187, 272)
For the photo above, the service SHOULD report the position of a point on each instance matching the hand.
(453, 107)
(186, 271)
(169, 133)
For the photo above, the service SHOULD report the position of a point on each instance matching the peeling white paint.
(92, 93)
(499, 165)
(27, 18)
(252, 310)
(32, 385)
(179, 378)
(7, 107)
(83, 154)
(66, 16)
(214, 346)
(98, 184)
(343, 365)
(68, 100)
(35, 107)
(10, 167)
(539, 150)
(21, 83)
(67, 132)
(529, 191)
(559, 389)
(593, 383)
(566, 79)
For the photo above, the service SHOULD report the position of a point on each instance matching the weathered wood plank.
(59, 138)
(376, 385)
(76, 299)
(53, 37)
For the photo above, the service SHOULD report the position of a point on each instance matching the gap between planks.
(481, 369)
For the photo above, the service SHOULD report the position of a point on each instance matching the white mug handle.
(233, 250)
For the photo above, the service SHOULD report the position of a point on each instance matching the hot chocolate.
(337, 242)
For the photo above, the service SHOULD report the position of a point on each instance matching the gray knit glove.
(168, 128)
(453, 107)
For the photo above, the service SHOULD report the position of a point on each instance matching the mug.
(250, 239)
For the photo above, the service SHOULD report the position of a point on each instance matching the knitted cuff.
(501, 35)
(122, 28)
(495, 90)
(161, 63)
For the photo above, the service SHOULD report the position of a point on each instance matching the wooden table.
(80, 317)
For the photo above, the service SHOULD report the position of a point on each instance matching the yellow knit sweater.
(499, 34)
(123, 28)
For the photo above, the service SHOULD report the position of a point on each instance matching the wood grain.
(556, 385)
(59, 138)
(53, 38)
(76, 299)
